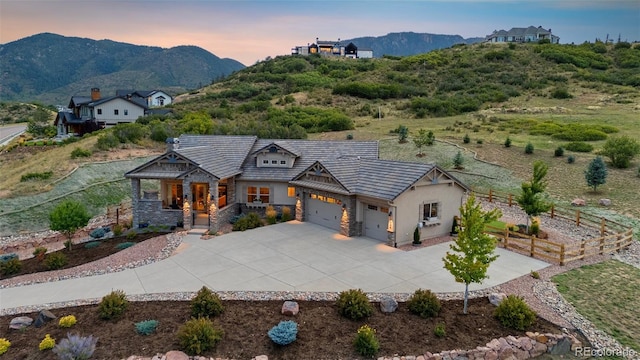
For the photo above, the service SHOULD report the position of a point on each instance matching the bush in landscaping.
(4, 345)
(479, 141)
(131, 235)
(535, 274)
(621, 151)
(251, 221)
(571, 159)
(559, 151)
(75, 347)
(466, 139)
(439, 331)
(80, 152)
(528, 149)
(234, 219)
(284, 333)
(206, 304)
(55, 261)
(366, 343)
(286, 213)
(7, 257)
(36, 176)
(424, 303)
(106, 142)
(39, 252)
(354, 304)
(514, 313)
(10, 267)
(92, 245)
(97, 233)
(579, 146)
(67, 321)
(146, 327)
(117, 230)
(47, 343)
(271, 214)
(124, 245)
(507, 142)
(113, 305)
(349, 136)
(198, 335)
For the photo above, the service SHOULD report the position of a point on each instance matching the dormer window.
(265, 161)
(274, 162)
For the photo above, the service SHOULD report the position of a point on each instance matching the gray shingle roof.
(214, 162)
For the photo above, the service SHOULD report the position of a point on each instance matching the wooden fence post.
(533, 246)
(603, 225)
(510, 200)
(601, 245)
(561, 254)
(582, 248)
(577, 217)
(490, 195)
(506, 239)
(553, 210)
(117, 216)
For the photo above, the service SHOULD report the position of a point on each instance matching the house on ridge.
(203, 181)
(522, 35)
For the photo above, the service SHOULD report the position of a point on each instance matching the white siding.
(133, 112)
(278, 192)
(154, 101)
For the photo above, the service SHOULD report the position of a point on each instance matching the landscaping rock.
(261, 357)
(604, 202)
(562, 347)
(20, 322)
(176, 355)
(388, 304)
(496, 298)
(578, 202)
(43, 317)
(290, 308)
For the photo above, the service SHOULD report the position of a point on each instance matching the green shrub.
(286, 213)
(98, 233)
(67, 321)
(92, 245)
(10, 267)
(479, 141)
(354, 304)
(271, 214)
(559, 151)
(535, 274)
(349, 136)
(571, 159)
(250, 221)
(528, 149)
(113, 305)
(366, 343)
(439, 330)
(39, 252)
(55, 260)
(424, 303)
(206, 304)
(36, 176)
(534, 229)
(106, 142)
(466, 139)
(80, 152)
(76, 347)
(514, 313)
(146, 327)
(284, 333)
(117, 230)
(507, 142)
(198, 335)
(47, 343)
(579, 146)
(4, 345)
(7, 257)
(560, 93)
(124, 245)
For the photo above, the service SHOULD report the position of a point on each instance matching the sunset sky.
(249, 31)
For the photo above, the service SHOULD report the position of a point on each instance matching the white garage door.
(324, 213)
(375, 222)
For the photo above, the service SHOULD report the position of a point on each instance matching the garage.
(376, 219)
(325, 211)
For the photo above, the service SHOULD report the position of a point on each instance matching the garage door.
(375, 222)
(324, 213)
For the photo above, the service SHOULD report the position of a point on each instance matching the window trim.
(258, 194)
(430, 205)
(115, 112)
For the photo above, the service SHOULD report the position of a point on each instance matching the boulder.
(542, 339)
(578, 202)
(43, 317)
(561, 348)
(290, 308)
(604, 202)
(261, 357)
(176, 355)
(388, 304)
(20, 322)
(496, 298)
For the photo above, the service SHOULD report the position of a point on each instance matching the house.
(521, 35)
(205, 180)
(150, 98)
(332, 48)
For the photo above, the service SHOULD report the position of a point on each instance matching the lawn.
(607, 295)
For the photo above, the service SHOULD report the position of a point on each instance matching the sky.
(252, 30)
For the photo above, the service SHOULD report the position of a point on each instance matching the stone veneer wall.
(225, 214)
(151, 212)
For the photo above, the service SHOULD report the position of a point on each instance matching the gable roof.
(68, 117)
(112, 98)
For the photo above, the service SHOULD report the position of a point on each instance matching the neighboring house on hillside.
(332, 48)
(205, 180)
(89, 113)
(521, 35)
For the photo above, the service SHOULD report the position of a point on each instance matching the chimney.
(173, 144)
(95, 94)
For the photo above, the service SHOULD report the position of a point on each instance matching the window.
(283, 162)
(126, 112)
(430, 211)
(291, 191)
(275, 162)
(115, 111)
(99, 111)
(372, 207)
(265, 161)
(258, 194)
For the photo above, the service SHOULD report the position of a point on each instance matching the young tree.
(403, 132)
(68, 217)
(530, 199)
(423, 138)
(596, 173)
(621, 150)
(458, 160)
(472, 251)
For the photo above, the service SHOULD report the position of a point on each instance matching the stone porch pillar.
(135, 200)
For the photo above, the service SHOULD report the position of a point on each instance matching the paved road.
(292, 256)
(8, 132)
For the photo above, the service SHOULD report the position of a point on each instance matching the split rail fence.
(613, 235)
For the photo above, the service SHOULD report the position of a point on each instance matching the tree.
(596, 173)
(403, 132)
(472, 252)
(68, 217)
(423, 138)
(621, 150)
(530, 199)
(458, 160)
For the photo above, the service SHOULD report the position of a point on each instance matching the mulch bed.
(322, 334)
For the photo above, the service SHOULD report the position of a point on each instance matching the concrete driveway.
(293, 256)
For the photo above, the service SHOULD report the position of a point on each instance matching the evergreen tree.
(596, 173)
(458, 160)
(421, 140)
(530, 199)
(472, 252)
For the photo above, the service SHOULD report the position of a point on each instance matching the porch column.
(135, 199)
(213, 207)
(186, 204)
(299, 215)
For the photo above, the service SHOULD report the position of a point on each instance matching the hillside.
(49, 68)
(409, 43)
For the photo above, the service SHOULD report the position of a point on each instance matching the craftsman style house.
(333, 48)
(204, 181)
(521, 35)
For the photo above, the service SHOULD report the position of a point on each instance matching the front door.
(199, 198)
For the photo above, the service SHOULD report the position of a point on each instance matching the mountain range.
(50, 68)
